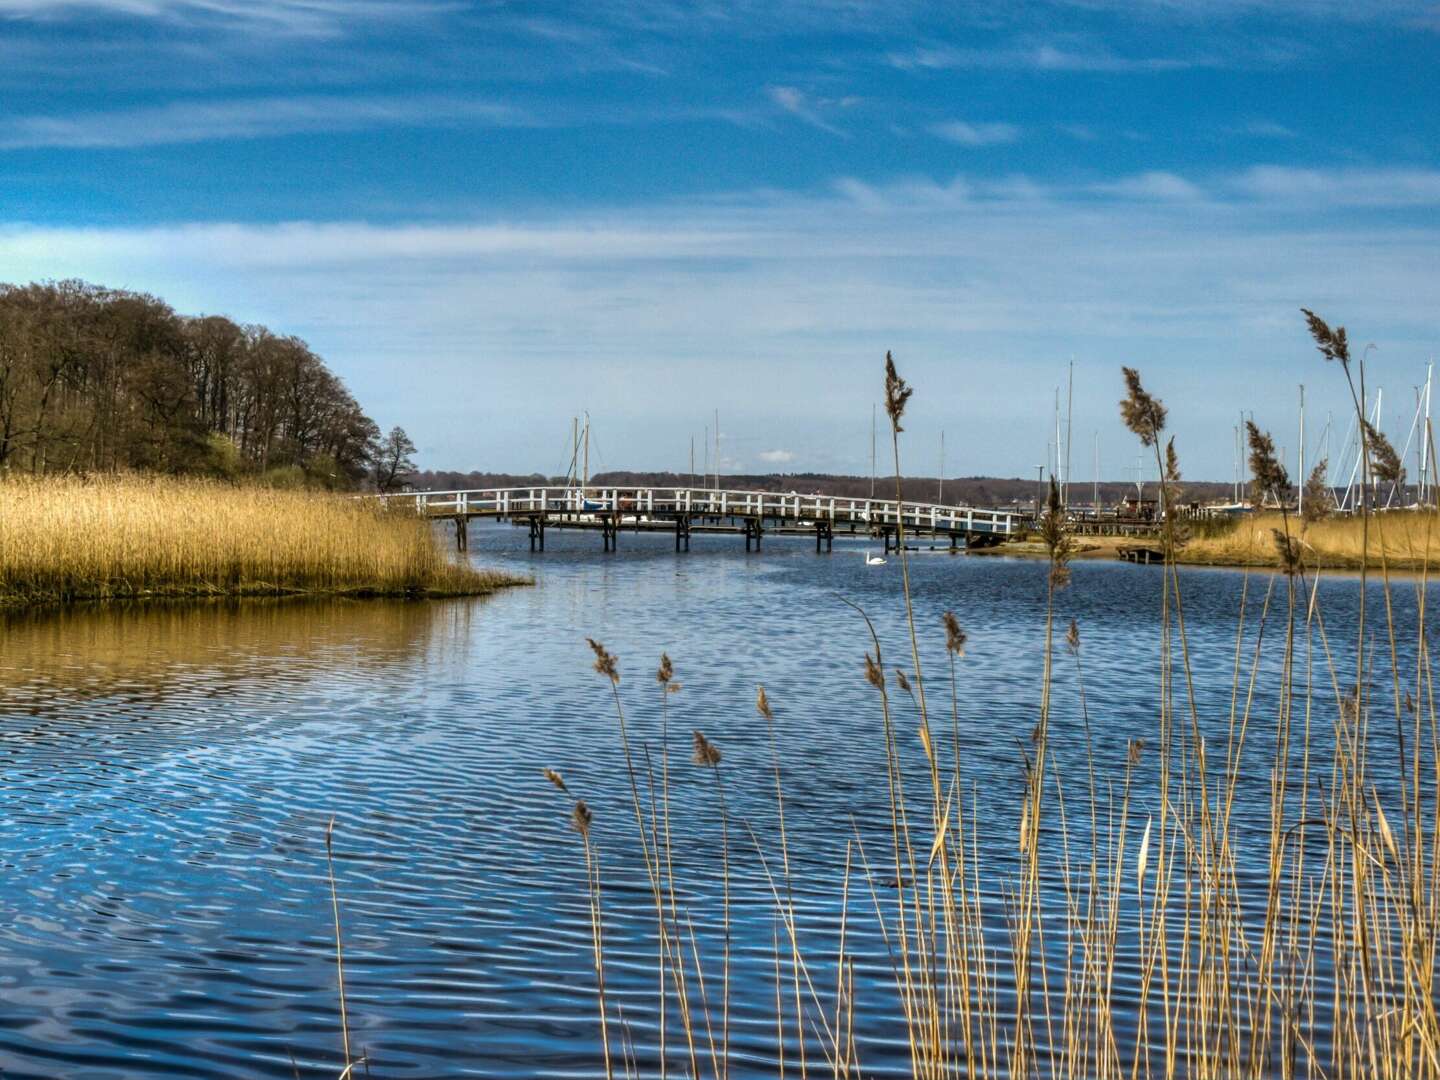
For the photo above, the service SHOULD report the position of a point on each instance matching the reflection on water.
(101, 649)
(167, 773)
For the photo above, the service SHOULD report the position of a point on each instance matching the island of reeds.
(128, 537)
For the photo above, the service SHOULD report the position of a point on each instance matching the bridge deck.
(604, 505)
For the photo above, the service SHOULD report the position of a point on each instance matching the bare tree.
(393, 461)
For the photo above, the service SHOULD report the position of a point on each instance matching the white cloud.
(305, 17)
(1340, 187)
(1148, 186)
(978, 287)
(777, 457)
(798, 104)
(973, 134)
(1036, 57)
(249, 118)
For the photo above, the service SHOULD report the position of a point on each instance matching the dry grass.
(1404, 536)
(71, 538)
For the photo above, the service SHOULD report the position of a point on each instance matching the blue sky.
(488, 216)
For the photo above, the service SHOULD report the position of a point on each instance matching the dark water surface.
(166, 774)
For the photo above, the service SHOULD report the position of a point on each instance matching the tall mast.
(717, 449)
(940, 491)
(1425, 437)
(872, 450)
(1096, 495)
(707, 456)
(586, 482)
(1300, 485)
(692, 460)
(1069, 432)
(574, 453)
(1057, 473)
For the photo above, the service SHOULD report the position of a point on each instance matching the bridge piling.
(610, 532)
(462, 534)
(537, 534)
(824, 533)
(682, 533)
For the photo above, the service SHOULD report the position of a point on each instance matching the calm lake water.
(168, 772)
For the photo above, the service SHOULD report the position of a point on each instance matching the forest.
(94, 379)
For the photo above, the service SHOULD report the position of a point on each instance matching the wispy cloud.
(1036, 57)
(700, 299)
(250, 118)
(1264, 129)
(1154, 186)
(290, 16)
(777, 457)
(976, 134)
(798, 104)
(1395, 187)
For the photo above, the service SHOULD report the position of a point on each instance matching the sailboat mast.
(586, 482)
(1095, 497)
(872, 450)
(1425, 438)
(1069, 431)
(1300, 478)
(940, 490)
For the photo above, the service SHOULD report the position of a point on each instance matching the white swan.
(873, 560)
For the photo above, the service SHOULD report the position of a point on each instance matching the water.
(168, 773)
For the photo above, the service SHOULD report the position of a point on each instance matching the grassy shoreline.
(68, 539)
(1410, 539)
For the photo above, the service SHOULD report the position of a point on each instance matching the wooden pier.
(685, 511)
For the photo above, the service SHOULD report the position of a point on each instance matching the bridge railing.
(701, 502)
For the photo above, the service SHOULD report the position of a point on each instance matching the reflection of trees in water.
(138, 649)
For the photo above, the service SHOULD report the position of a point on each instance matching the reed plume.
(1141, 413)
(955, 637)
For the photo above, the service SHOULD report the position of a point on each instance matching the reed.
(69, 538)
(1161, 946)
(1404, 539)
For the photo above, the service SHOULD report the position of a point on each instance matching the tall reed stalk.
(1175, 941)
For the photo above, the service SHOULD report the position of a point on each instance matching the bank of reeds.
(110, 537)
(1141, 931)
(1407, 539)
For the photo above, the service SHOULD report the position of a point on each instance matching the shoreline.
(488, 584)
(1093, 549)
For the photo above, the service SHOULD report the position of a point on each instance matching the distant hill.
(966, 490)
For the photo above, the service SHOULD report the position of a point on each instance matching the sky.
(489, 216)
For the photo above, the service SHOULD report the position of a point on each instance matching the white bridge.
(684, 509)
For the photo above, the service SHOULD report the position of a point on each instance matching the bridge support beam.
(824, 533)
(537, 534)
(610, 532)
(682, 533)
(753, 532)
(462, 534)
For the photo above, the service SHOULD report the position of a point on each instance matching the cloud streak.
(972, 134)
(300, 17)
(250, 118)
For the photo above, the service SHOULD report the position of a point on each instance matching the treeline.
(98, 380)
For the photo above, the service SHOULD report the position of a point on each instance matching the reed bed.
(1134, 928)
(110, 537)
(1402, 538)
